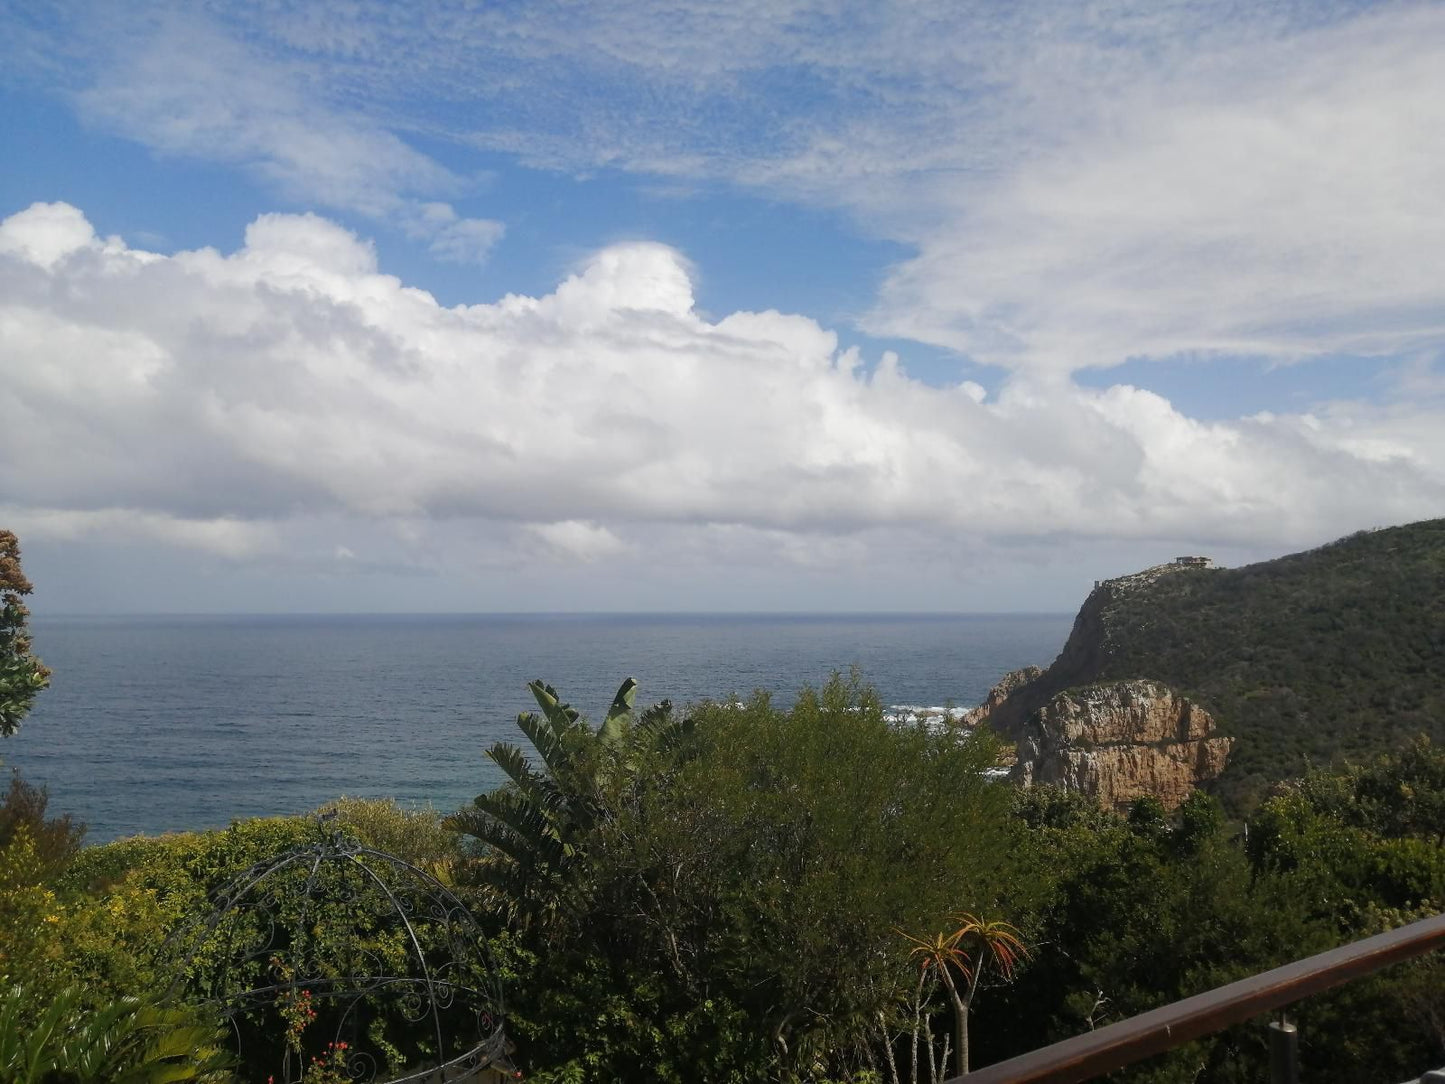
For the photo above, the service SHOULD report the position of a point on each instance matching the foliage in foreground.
(62, 1040)
(1150, 909)
(90, 930)
(745, 911)
(732, 887)
(738, 894)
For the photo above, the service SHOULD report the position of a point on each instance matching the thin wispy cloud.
(1274, 202)
(189, 90)
(1084, 183)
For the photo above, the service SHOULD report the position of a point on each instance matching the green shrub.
(413, 835)
(61, 1038)
(733, 894)
(56, 839)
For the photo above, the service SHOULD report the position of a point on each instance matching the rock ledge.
(1117, 741)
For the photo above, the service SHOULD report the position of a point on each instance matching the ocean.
(156, 724)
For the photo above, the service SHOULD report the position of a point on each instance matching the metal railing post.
(1283, 1052)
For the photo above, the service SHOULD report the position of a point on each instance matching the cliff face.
(1084, 658)
(1119, 741)
(1007, 685)
(1334, 652)
(1114, 741)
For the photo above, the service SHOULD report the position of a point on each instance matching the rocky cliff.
(1334, 652)
(1007, 685)
(1084, 658)
(1119, 741)
(1114, 741)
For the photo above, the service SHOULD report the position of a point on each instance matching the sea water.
(156, 724)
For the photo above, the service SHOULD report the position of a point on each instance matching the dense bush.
(1149, 909)
(94, 929)
(24, 808)
(414, 835)
(737, 899)
(737, 907)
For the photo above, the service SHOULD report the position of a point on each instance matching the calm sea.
(155, 724)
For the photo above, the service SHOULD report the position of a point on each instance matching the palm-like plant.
(978, 944)
(125, 1042)
(935, 955)
(534, 825)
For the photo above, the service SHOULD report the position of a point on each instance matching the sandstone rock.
(1121, 740)
(1006, 687)
(1087, 653)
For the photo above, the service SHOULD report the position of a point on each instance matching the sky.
(683, 306)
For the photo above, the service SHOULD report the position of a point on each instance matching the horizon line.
(39, 614)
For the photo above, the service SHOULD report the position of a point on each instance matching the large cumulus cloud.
(236, 403)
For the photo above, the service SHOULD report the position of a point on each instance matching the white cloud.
(46, 234)
(227, 537)
(289, 399)
(190, 90)
(576, 540)
(452, 238)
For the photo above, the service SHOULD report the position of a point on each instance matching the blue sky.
(785, 306)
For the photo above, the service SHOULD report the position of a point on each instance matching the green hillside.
(1337, 652)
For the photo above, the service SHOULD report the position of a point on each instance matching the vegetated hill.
(1336, 652)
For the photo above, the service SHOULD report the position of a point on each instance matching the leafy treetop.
(22, 675)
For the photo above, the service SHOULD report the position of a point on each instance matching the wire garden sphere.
(333, 961)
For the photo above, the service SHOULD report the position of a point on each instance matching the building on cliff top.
(1149, 575)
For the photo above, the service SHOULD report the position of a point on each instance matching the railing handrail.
(1117, 1045)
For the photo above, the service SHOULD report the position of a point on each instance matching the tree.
(22, 675)
(934, 955)
(1402, 795)
(984, 944)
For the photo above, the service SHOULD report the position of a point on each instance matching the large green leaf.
(124, 1042)
(619, 716)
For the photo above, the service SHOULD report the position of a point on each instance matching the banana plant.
(534, 825)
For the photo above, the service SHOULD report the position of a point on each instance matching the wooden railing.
(1097, 1052)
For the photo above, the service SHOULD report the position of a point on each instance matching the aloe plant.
(977, 944)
